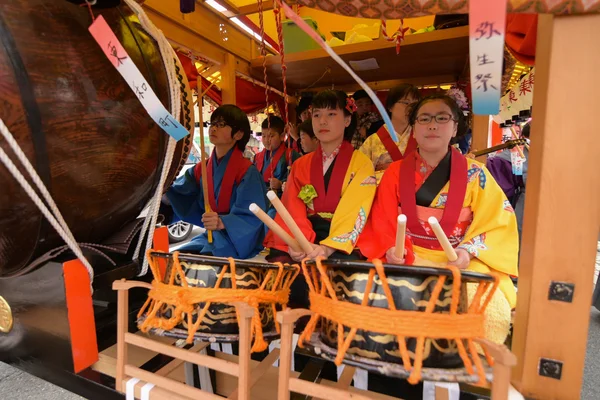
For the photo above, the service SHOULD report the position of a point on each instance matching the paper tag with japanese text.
(487, 25)
(516, 161)
(117, 55)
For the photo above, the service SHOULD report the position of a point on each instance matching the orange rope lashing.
(400, 323)
(185, 299)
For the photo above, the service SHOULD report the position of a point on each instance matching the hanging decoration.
(187, 6)
(487, 23)
(277, 11)
(397, 36)
(517, 99)
(319, 40)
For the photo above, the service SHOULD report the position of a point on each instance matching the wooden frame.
(168, 388)
(504, 360)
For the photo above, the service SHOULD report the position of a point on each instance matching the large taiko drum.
(178, 304)
(94, 146)
(381, 310)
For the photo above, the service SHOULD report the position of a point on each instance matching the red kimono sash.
(454, 203)
(327, 199)
(392, 148)
(234, 173)
(260, 160)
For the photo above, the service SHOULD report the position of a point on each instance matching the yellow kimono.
(374, 148)
(486, 228)
(330, 208)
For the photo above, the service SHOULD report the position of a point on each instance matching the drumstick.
(400, 234)
(441, 237)
(514, 133)
(289, 221)
(203, 169)
(274, 226)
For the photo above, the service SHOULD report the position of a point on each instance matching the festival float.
(100, 102)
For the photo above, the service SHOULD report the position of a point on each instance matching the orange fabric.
(324, 303)
(161, 243)
(521, 36)
(294, 205)
(185, 299)
(80, 312)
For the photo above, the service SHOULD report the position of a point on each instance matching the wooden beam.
(204, 23)
(228, 79)
(481, 128)
(561, 208)
(253, 8)
(388, 84)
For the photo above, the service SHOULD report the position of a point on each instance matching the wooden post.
(480, 129)
(561, 209)
(245, 313)
(122, 328)
(285, 356)
(228, 79)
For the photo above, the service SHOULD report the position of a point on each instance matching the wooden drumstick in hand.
(400, 235)
(274, 226)
(289, 221)
(441, 237)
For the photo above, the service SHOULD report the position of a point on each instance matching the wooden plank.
(388, 84)
(561, 208)
(253, 8)
(204, 23)
(173, 365)
(259, 371)
(320, 391)
(266, 388)
(122, 328)
(346, 378)
(228, 79)
(194, 358)
(436, 53)
(157, 393)
(169, 384)
(481, 125)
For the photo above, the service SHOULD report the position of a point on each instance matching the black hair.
(307, 128)
(400, 92)
(457, 113)
(360, 94)
(275, 123)
(336, 100)
(525, 130)
(304, 103)
(234, 117)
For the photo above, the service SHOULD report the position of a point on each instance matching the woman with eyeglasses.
(381, 148)
(437, 180)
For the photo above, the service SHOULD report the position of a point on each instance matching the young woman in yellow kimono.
(330, 191)
(380, 147)
(438, 181)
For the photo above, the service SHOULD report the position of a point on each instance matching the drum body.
(189, 280)
(410, 293)
(221, 318)
(346, 295)
(84, 130)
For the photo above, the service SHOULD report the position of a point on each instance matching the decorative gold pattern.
(6, 318)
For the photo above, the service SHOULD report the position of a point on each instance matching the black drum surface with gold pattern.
(411, 289)
(203, 272)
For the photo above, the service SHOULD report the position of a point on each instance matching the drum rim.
(467, 276)
(220, 261)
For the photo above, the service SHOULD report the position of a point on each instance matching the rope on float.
(51, 212)
(168, 55)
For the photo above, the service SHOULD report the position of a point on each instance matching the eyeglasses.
(442, 118)
(219, 124)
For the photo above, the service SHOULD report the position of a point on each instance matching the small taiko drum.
(193, 297)
(401, 321)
